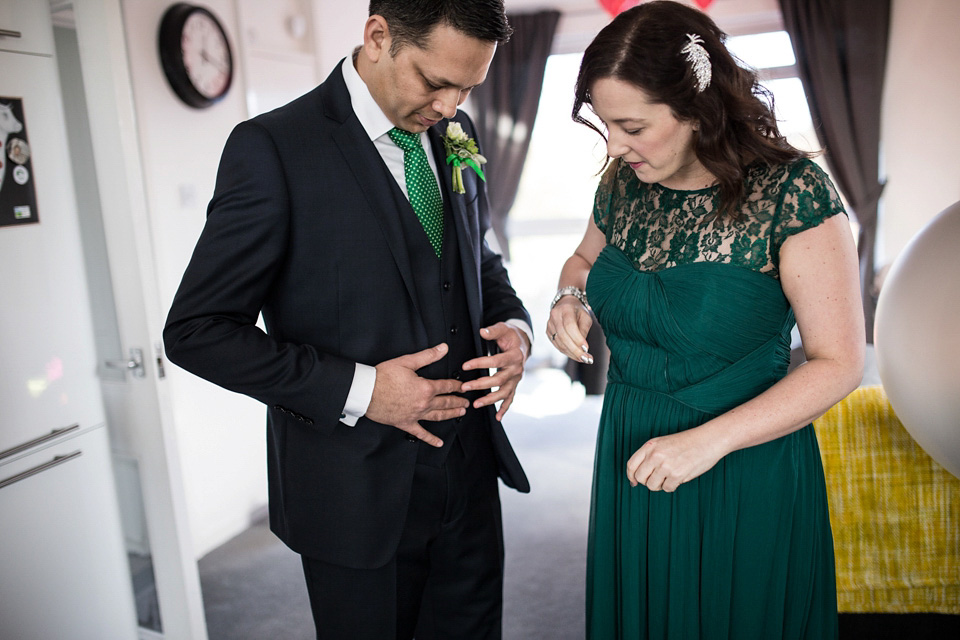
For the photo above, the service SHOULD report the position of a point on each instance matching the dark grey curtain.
(504, 109)
(841, 48)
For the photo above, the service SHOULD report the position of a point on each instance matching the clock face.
(206, 55)
(195, 54)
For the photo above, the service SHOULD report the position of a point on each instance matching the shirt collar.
(371, 117)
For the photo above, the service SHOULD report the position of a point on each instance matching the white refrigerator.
(63, 568)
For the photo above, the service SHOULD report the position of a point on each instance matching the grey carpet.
(253, 585)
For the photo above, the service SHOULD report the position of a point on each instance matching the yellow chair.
(895, 512)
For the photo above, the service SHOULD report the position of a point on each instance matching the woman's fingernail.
(584, 347)
(586, 359)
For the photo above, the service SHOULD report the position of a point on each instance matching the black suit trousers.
(446, 579)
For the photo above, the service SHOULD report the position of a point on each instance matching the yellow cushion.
(895, 512)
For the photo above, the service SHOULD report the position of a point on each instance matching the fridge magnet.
(18, 198)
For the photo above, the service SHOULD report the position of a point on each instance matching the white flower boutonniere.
(462, 150)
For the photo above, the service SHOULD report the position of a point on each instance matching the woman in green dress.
(710, 238)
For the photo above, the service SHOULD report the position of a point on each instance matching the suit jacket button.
(411, 438)
(453, 330)
(446, 286)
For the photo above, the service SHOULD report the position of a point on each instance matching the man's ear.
(376, 38)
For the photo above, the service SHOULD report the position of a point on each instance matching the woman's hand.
(666, 462)
(569, 319)
(567, 329)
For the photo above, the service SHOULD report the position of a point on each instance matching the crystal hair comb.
(699, 61)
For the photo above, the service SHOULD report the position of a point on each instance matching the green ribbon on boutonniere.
(462, 151)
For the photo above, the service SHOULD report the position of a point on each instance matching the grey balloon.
(917, 338)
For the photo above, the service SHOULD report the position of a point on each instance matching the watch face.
(206, 55)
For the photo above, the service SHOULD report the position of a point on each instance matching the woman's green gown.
(697, 323)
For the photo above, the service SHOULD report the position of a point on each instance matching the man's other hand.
(514, 348)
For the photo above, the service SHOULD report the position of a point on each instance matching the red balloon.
(612, 6)
(616, 7)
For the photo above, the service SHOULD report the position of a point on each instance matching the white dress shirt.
(377, 125)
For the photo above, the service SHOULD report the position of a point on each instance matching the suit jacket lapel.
(368, 167)
(469, 260)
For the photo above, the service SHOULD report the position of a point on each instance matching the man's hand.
(401, 397)
(514, 347)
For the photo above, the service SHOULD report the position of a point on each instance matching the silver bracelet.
(570, 291)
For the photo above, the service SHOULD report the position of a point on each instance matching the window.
(771, 54)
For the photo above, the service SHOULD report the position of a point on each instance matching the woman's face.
(657, 146)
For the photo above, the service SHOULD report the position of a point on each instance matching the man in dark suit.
(385, 312)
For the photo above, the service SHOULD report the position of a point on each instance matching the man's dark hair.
(411, 21)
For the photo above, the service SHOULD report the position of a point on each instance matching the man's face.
(418, 87)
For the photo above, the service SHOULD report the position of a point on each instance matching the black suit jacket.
(303, 227)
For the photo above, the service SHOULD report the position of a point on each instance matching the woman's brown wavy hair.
(737, 125)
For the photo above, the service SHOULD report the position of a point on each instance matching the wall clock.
(195, 54)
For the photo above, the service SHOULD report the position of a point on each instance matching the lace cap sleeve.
(603, 200)
(809, 198)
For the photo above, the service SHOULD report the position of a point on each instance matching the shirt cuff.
(523, 326)
(361, 393)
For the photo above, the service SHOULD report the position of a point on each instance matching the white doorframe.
(139, 410)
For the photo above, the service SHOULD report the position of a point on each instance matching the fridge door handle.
(56, 433)
(57, 460)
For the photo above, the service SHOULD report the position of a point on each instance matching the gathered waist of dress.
(705, 384)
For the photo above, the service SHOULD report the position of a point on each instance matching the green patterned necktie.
(421, 186)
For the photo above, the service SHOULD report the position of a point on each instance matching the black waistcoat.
(442, 299)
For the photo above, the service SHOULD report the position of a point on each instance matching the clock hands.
(221, 65)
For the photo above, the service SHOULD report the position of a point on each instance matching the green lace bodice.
(658, 228)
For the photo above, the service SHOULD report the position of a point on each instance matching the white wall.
(339, 26)
(220, 434)
(921, 119)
